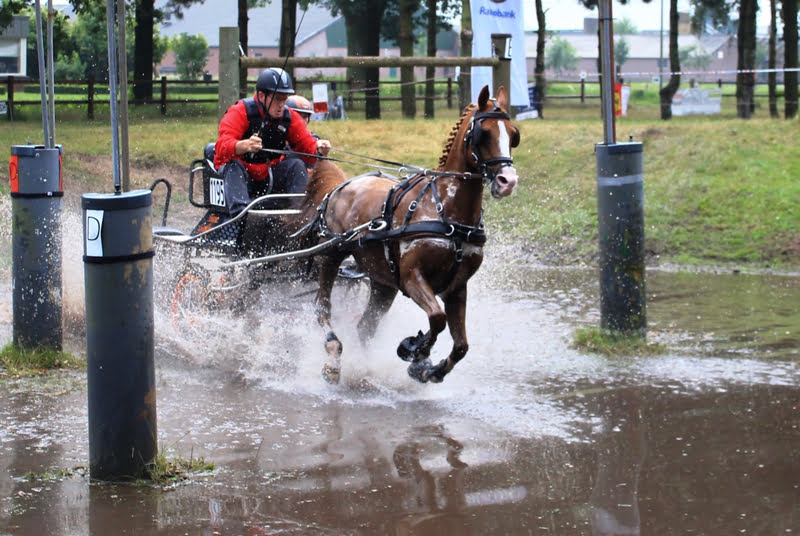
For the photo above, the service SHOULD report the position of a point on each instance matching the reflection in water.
(620, 454)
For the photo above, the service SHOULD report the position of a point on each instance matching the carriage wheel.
(189, 297)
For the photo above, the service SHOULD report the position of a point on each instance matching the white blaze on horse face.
(503, 141)
(506, 179)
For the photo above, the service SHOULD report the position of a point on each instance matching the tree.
(789, 16)
(625, 26)
(405, 39)
(695, 58)
(668, 90)
(771, 61)
(9, 8)
(191, 52)
(465, 40)
(561, 56)
(430, 72)
(621, 52)
(362, 23)
(746, 58)
(143, 43)
(538, 71)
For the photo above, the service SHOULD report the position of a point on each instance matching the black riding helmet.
(275, 80)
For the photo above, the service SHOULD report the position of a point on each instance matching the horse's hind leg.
(380, 300)
(328, 271)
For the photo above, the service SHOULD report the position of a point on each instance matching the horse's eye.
(515, 138)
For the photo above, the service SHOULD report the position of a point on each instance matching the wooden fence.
(90, 93)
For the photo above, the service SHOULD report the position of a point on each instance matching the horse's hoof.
(437, 373)
(331, 374)
(409, 348)
(333, 345)
(419, 370)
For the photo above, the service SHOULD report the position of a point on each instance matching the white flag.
(499, 17)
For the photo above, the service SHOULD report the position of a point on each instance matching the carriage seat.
(208, 155)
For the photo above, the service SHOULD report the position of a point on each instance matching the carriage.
(224, 259)
(422, 236)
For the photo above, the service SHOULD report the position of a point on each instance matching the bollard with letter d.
(118, 275)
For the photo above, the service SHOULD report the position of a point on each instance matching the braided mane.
(452, 137)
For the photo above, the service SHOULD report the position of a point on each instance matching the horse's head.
(489, 139)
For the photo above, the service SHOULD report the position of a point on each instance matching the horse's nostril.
(502, 179)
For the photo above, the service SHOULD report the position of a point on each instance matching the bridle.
(475, 135)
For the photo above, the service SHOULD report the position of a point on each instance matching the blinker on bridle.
(474, 137)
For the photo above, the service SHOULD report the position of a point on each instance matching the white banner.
(499, 17)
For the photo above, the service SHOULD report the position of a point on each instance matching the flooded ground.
(526, 436)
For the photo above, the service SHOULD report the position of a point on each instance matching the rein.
(402, 169)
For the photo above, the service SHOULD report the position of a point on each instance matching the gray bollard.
(118, 275)
(36, 191)
(620, 214)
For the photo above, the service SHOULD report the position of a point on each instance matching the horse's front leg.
(417, 348)
(329, 269)
(455, 305)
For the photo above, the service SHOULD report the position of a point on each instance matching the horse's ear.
(483, 97)
(502, 98)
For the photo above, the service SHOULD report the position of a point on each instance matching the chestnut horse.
(427, 234)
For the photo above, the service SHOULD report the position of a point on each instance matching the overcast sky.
(569, 15)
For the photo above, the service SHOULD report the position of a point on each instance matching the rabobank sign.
(497, 12)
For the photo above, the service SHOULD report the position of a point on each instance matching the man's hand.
(323, 146)
(250, 145)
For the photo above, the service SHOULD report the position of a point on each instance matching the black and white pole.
(620, 210)
(118, 280)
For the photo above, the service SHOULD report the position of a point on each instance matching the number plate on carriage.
(216, 192)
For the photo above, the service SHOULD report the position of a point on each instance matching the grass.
(165, 472)
(718, 189)
(27, 362)
(55, 474)
(615, 343)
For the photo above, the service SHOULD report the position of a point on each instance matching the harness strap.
(470, 235)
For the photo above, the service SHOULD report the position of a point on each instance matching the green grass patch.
(615, 344)
(167, 472)
(26, 362)
(55, 474)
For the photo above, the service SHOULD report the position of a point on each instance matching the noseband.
(475, 135)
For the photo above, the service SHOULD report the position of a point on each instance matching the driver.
(248, 132)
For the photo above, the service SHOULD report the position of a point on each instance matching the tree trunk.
(430, 72)
(243, 38)
(789, 15)
(464, 76)
(362, 22)
(771, 77)
(746, 59)
(288, 29)
(405, 40)
(143, 57)
(668, 91)
(538, 71)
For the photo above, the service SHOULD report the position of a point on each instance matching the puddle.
(525, 436)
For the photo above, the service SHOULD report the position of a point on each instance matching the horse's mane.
(452, 137)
